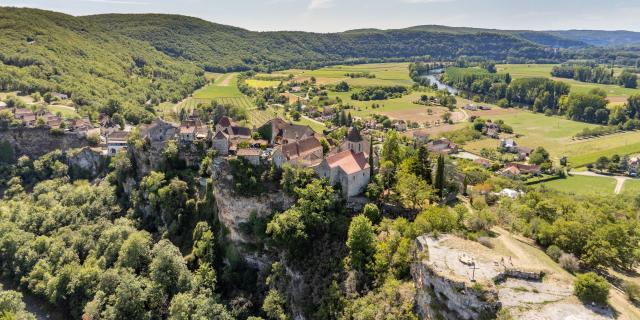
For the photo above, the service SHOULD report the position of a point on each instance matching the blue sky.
(340, 15)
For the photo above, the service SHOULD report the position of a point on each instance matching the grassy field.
(556, 135)
(616, 94)
(386, 74)
(66, 111)
(223, 87)
(631, 188)
(583, 185)
(262, 83)
(257, 117)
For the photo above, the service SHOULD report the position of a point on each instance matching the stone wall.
(35, 142)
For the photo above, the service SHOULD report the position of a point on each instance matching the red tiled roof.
(225, 122)
(348, 161)
(301, 147)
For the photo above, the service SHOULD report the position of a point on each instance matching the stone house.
(348, 169)
(228, 135)
(400, 125)
(220, 143)
(283, 132)
(306, 152)
(116, 141)
(442, 146)
(421, 137)
(252, 155)
(191, 130)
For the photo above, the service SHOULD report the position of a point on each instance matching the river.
(434, 77)
(42, 309)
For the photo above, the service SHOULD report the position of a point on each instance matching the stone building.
(348, 169)
(283, 132)
(306, 152)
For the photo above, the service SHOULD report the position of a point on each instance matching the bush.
(569, 262)
(632, 290)
(554, 252)
(590, 287)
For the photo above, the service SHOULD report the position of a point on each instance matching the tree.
(423, 168)
(391, 150)
(203, 243)
(602, 163)
(440, 183)
(539, 156)
(360, 241)
(135, 252)
(372, 212)
(590, 287)
(413, 190)
(273, 305)
(342, 86)
(168, 270)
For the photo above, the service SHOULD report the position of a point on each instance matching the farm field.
(387, 74)
(583, 185)
(556, 135)
(401, 108)
(223, 87)
(262, 83)
(615, 93)
(257, 117)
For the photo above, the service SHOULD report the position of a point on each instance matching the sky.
(341, 15)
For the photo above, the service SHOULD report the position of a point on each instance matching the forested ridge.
(43, 51)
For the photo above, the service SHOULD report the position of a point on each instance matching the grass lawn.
(616, 94)
(631, 188)
(66, 111)
(262, 83)
(555, 134)
(386, 74)
(583, 185)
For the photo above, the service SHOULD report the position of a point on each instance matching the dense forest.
(42, 51)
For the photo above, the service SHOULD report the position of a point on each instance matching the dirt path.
(620, 180)
(226, 81)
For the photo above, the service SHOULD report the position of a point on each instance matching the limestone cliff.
(234, 209)
(35, 142)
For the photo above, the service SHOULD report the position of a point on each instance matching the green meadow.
(556, 134)
(386, 74)
(583, 185)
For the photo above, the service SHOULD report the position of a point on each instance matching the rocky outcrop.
(234, 209)
(35, 142)
(86, 162)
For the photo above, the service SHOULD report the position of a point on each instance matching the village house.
(421, 137)
(471, 107)
(252, 155)
(283, 132)
(59, 96)
(400, 125)
(306, 152)
(117, 141)
(486, 163)
(508, 145)
(485, 108)
(228, 135)
(492, 130)
(348, 169)
(158, 132)
(27, 116)
(192, 130)
(513, 169)
(442, 146)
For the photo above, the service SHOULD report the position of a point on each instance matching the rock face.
(235, 209)
(86, 162)
(35, 142)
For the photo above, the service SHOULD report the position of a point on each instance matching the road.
(620, 180)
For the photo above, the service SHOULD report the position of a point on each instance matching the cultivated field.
(223, 87)
(616, 94)
(386, 74)
(631, 188)
(66, 111)
(260, 84)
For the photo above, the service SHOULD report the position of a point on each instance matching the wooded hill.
(137, 58)
(46, 51)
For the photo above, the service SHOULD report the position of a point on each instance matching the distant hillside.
(222, 48)
(45, 51)
(601, 38)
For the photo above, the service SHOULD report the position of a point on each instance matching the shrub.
(632, 290)
(554, 252)
(485, 241)
(569, 262)
(590, 287)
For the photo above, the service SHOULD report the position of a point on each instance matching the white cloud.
(320, 4)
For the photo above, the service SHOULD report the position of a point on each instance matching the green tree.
(274, 305)
(590, 287)
(440, 183)
(361, 243)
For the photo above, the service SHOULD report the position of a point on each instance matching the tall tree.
(360, 242)
(440, 177)
(424, 164)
